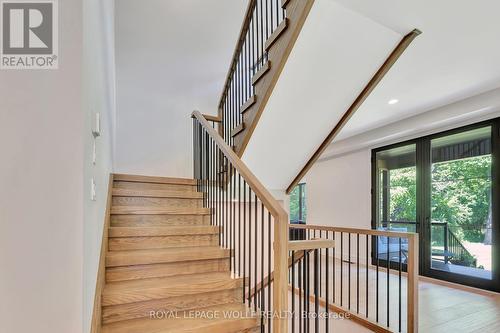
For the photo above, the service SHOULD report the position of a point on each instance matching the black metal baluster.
(269, 251)
(277, 2)
(334, 272)
(357, 273)
(304, 283)
(341, 268)
(388, 278)
(233, 180)
(293, 291)
(239, 225)
(349, 273)
(308, 298)
(254, 47)
(320, 270)
(327, 291)
(367, 300)
(400, 268)
(299, 284)
(255, 264)
(226, 215)
(257, 19)
(249, 246)
(262, 32)
(244, 235)
(316, 290)
(376, 279)
(262, 302)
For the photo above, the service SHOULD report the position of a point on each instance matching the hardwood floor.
(443, 308)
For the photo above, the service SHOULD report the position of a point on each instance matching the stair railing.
(461, 256)
(252, 224)
(262, 18)
(351, 278)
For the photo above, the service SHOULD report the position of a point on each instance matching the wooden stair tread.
(146, 210)
(156, 256)
(153, 179)
(172, 282)
(151, 193)
(161, 231)
(124, 292)
(188, 324)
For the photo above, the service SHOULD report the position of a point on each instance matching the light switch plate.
(92, 190)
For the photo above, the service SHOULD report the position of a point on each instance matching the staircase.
(164, 263)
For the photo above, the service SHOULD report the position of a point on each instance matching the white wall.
(338, 191)
(98, 97)
(172, 58)
(41, 189)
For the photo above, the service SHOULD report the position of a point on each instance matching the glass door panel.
(396, 186)
(461, 224)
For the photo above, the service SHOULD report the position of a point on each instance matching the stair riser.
(143, 309)
(153, 186)
(139, 259)
(157, 202)
(158, 220)
(165, 270)
(141, 243)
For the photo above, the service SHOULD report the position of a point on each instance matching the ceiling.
(457, 56)
(341, 46)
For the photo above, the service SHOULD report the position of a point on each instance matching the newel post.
(280, 291)
(412, 288)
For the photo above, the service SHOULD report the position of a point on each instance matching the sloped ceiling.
(335, 55)
(341, 46)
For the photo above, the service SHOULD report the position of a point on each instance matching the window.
(298, 209)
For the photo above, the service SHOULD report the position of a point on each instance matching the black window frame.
(423, 159)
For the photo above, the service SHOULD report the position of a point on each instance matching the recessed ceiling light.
(393, 101)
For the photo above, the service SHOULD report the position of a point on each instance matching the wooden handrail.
(280, 245)
(260, 190)
(208, 117)
(375, 80)
(388, 233)
(314, 244)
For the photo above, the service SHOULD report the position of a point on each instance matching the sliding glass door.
(445, 187)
